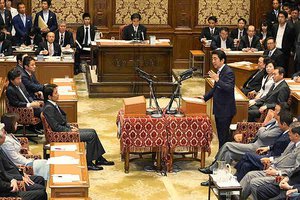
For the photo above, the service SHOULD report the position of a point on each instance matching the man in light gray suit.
(266, 136)
(284, 164)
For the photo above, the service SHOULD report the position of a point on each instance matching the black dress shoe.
(205, 170)
(92, 166)
(205, 183)
(104, 162)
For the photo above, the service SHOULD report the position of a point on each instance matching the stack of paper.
(71, 147)
(65, 178)
(62, 80)
(65, 90)
(63, 160)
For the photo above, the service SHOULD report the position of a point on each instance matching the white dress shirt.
(279, 36)
(223, 43)
(89, 34)
(46, 15)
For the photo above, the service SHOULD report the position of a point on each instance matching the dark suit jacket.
(244, 43)
(234, 33)
(80, 34)
(44, 45)
(57, 120)
(52, 21)
(288, 37)
(294, 178)
(14, 96)
(216, 43)
(277, 56)
(129, 34)
(68, 38)
(279, 145)
(21, 31)
(6, 48)
(206, 33)
(280, 94)
(36, 40)
(31, 84)
(254, 82)
(271, 18)
(8, 169)
(8, 19)
(223, 94)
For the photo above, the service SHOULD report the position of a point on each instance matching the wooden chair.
(52, 136)
(247, 130)
(121, 31)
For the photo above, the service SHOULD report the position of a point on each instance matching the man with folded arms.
(56, 118)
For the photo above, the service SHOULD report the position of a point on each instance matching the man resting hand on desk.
(56, 118)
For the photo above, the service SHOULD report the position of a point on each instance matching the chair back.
(121, 31)
(52, 136)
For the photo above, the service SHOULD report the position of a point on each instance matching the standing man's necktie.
(86, 36)
(270, 54)
(211, 32)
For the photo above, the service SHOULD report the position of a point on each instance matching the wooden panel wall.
(182, 26)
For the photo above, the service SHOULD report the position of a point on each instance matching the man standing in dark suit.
(5, 45)
(209, 32)
(223, 95)
(56, 118)
(255, 80)
(273, 15)
(285, 37)
(48, 16)
(278, 93)
(10, 174)
(22, 24)
(32, 85)
(222, 41)
(237, 33)
(250, 42)
(135, 31)
(49, 47)
(84, 35)
(17, 94)
(63, 37)
(274, 53)
(5, 17)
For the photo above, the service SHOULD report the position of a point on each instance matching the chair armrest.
(26, 169)
(63, 137)
(74, 124)
(35, 157)
(248, 130)
(23, 151)
(24, 142)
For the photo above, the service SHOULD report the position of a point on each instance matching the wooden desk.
(45, 70)
(232, 56)
(242, 72)
(295, 96)
(71, 189)
(241, 102)
(117, 62)
(68, 102)
(3, 85)
(88, 198)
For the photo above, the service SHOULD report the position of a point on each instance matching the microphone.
(144, 73)
(142, 35)
(188, 72)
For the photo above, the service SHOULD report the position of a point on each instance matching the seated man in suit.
(254, 82)
(32, 85)
(255, 161)
(250, 42)
(288, 187)
(19, 59)
(5, 45)
(49, 18)
(84, 35)
(34, 38)
(222, 41)
(232, 151)
(17, 94)
(63, 37)
(237, 33)
(279, 92)
(209, 32)
(135, 31)
(22, 24)
(274, 53)
(10, 172)
(56, 118)
(49, 47)
(285, 164)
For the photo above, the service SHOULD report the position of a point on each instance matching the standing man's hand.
(213, 75)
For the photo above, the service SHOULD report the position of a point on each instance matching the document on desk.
(63, 160)
(71, 147)
(65, 178)
(62, 80)
(294, 87)
(64, 89)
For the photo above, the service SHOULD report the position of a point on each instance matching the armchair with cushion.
(52, 136)
(247, 131)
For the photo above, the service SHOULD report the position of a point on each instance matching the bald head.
(251, 31)
(50, 37)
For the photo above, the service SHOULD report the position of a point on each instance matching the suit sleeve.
(283, 96)
(270, 133)
(79, 37)
(49, 113)
(241, 45)
(35, 24)
(213, 44)
(13, 99)
(9, 50)
(5, 186)
(226, 84)
(31, 85)
(258, 45)
(17, 26)
(202, 35)
(39, 48)
(54, 24)
(72, 44)
(209, 95)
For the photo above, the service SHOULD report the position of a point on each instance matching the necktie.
(250, 41)
(270, 54)
(26, 99)
(50, 48)
(241, 34)
(86, 36)
(61, 39)
(272, 87)
(211, 32)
